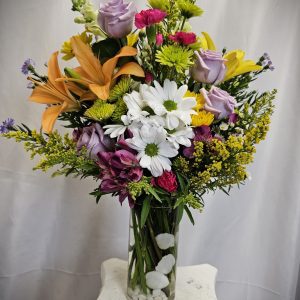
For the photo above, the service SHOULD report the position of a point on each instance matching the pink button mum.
(149, 17)
(185, 38)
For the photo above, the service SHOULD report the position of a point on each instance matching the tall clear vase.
(152, 253)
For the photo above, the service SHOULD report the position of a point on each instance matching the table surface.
(193, 282)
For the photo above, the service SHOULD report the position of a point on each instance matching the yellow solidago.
(67, 47)
(202, 118)
(132, 39)
(234, 142)
(100, 111)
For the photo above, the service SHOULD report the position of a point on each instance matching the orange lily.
(99, 78)
(55, 94)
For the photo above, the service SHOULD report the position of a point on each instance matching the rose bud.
(209, 67)
(116, 18)
(218, 102)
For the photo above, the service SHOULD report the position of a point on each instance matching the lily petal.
(208, 42)
(130, 68)
(88, 61)
(49, 117)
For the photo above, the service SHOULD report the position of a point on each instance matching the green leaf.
(182, 184)
(97, 194)
(188, 212)
(154, 194)
(106, 49)
(179, 201)
(180, 211)
(145, 211)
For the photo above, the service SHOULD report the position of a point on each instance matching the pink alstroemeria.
(117, 170)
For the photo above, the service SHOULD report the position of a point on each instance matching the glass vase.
(152, 253)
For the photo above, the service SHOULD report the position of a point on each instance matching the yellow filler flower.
(100, 78)
(55, 94)
(235, 63)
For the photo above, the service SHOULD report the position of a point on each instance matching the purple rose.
(218, 102)
(93, 139)
(209, 67)
(116, 18)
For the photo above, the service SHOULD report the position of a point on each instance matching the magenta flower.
(159, 39)
(117, 170)
(166, 181)
(149, 17)
(149, 77)
(184, 38)
(116, 18)
(218, 102)
(202, 134)
(209, 67)
(94, 139)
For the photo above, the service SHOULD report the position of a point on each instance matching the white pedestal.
(193, 283)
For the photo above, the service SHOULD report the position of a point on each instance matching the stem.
(183, 22)
(139, 262)
(157, 251)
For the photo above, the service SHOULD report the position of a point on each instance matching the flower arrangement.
(159, 116)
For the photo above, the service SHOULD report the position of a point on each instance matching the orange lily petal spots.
(49, 117)
(87, 60)
(110, 65)
(130, 68)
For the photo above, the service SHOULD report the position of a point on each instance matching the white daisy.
(135, 105)
(181, 136)
(115, 130)
(154, 150)
(169, 101)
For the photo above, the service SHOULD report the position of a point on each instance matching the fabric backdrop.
(53, 237)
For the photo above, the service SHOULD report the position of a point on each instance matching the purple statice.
(30, 85)
(27, 66)
(7, 125)
(267, 62)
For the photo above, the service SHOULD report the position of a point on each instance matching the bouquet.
(158, 115)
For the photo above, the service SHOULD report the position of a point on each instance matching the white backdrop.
(53, 237)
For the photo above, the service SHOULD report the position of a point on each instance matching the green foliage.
(106, 49)
(55, 150)
(136, 189)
